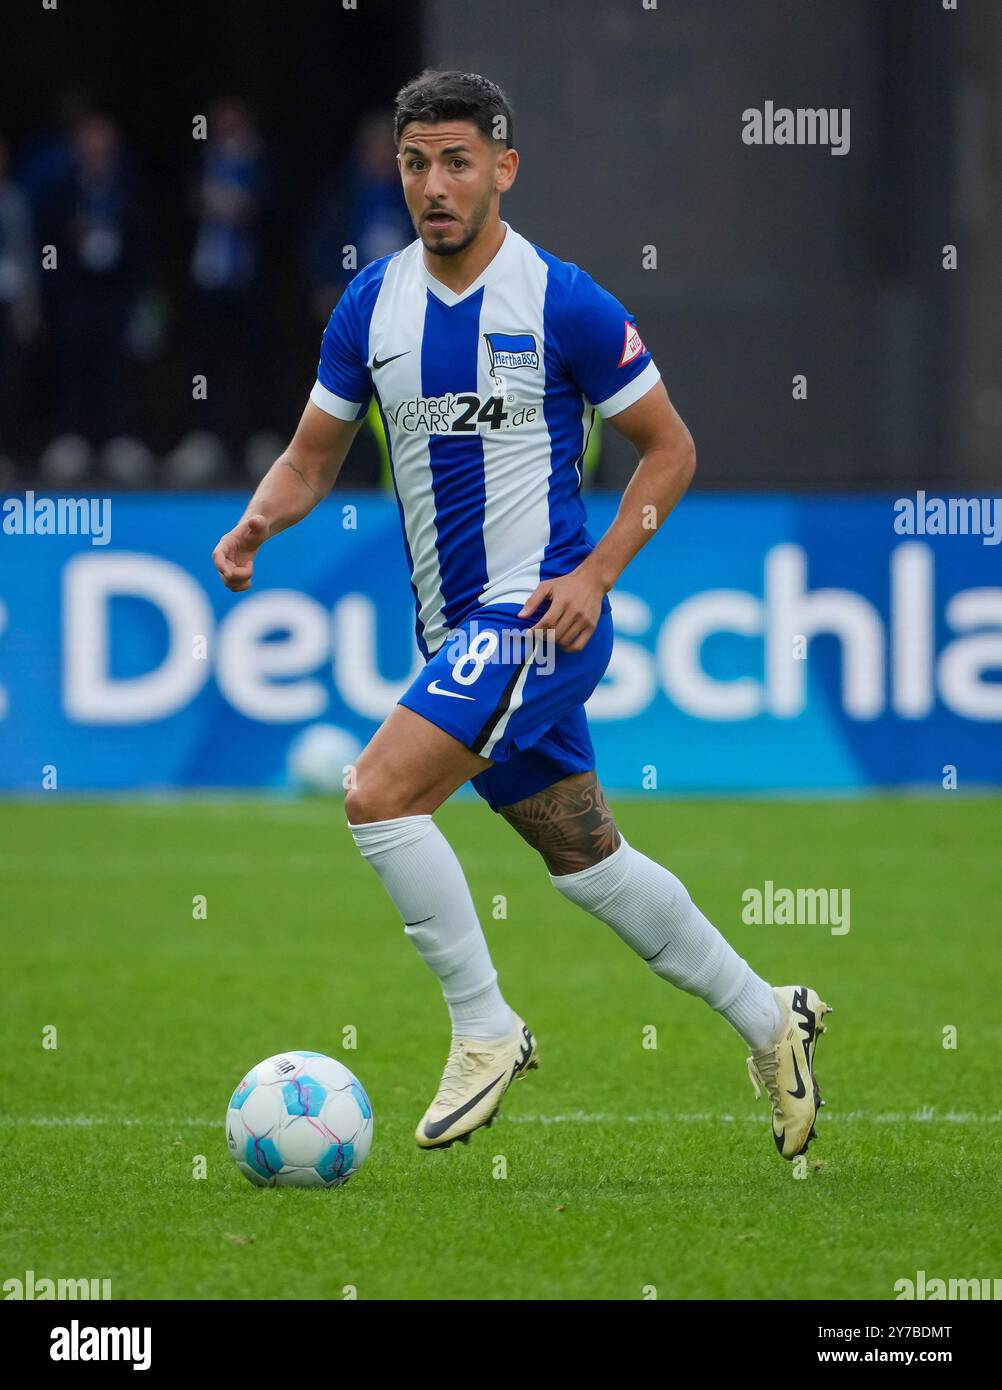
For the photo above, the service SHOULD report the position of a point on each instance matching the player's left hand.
(574, 606)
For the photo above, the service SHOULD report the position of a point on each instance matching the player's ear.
(505, 170)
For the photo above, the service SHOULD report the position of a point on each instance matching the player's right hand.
(233, 557)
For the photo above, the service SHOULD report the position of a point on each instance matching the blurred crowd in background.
(115, 294)
(823, 324)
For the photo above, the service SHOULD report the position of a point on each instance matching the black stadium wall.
(771, 261)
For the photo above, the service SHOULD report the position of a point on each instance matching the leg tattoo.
(569, 823)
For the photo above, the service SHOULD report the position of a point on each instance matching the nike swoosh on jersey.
(376, 363)
(435, 689)
(433, 1130)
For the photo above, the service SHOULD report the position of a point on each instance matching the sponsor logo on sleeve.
(633, 345)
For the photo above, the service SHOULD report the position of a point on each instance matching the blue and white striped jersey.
(487, 398)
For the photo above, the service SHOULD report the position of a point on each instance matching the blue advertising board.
(763, 642)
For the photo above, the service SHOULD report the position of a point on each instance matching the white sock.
(649, 908)
(423, 877)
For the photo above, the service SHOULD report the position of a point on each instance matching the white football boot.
(786, 1069)
(476, 1076)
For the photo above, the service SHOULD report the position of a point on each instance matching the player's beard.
(471, 229)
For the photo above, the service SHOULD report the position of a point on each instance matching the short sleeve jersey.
(487, 398)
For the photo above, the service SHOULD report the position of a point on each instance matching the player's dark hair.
(450, 96)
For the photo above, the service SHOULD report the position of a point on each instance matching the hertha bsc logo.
(511, 350)
(633, 344)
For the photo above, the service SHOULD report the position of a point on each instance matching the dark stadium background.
(770, 262)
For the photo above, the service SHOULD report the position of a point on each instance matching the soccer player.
(488, 358)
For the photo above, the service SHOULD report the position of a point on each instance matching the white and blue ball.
(319, 759)
(299, 1119)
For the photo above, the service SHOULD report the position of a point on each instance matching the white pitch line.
(166, 865)
(924, 1115)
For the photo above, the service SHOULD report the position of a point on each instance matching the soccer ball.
(299, 1120)
(318, 758)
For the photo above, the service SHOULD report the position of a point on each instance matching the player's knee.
(380, 794)
(372, 800)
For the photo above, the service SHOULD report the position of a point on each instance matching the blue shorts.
(515, 699)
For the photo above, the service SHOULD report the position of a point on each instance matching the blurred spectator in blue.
(226, 272)
(19, 308)
(47, 159)
(92, 219)
(362, 208)
(229, 201)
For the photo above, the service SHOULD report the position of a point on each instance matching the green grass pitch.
(626, 1168)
